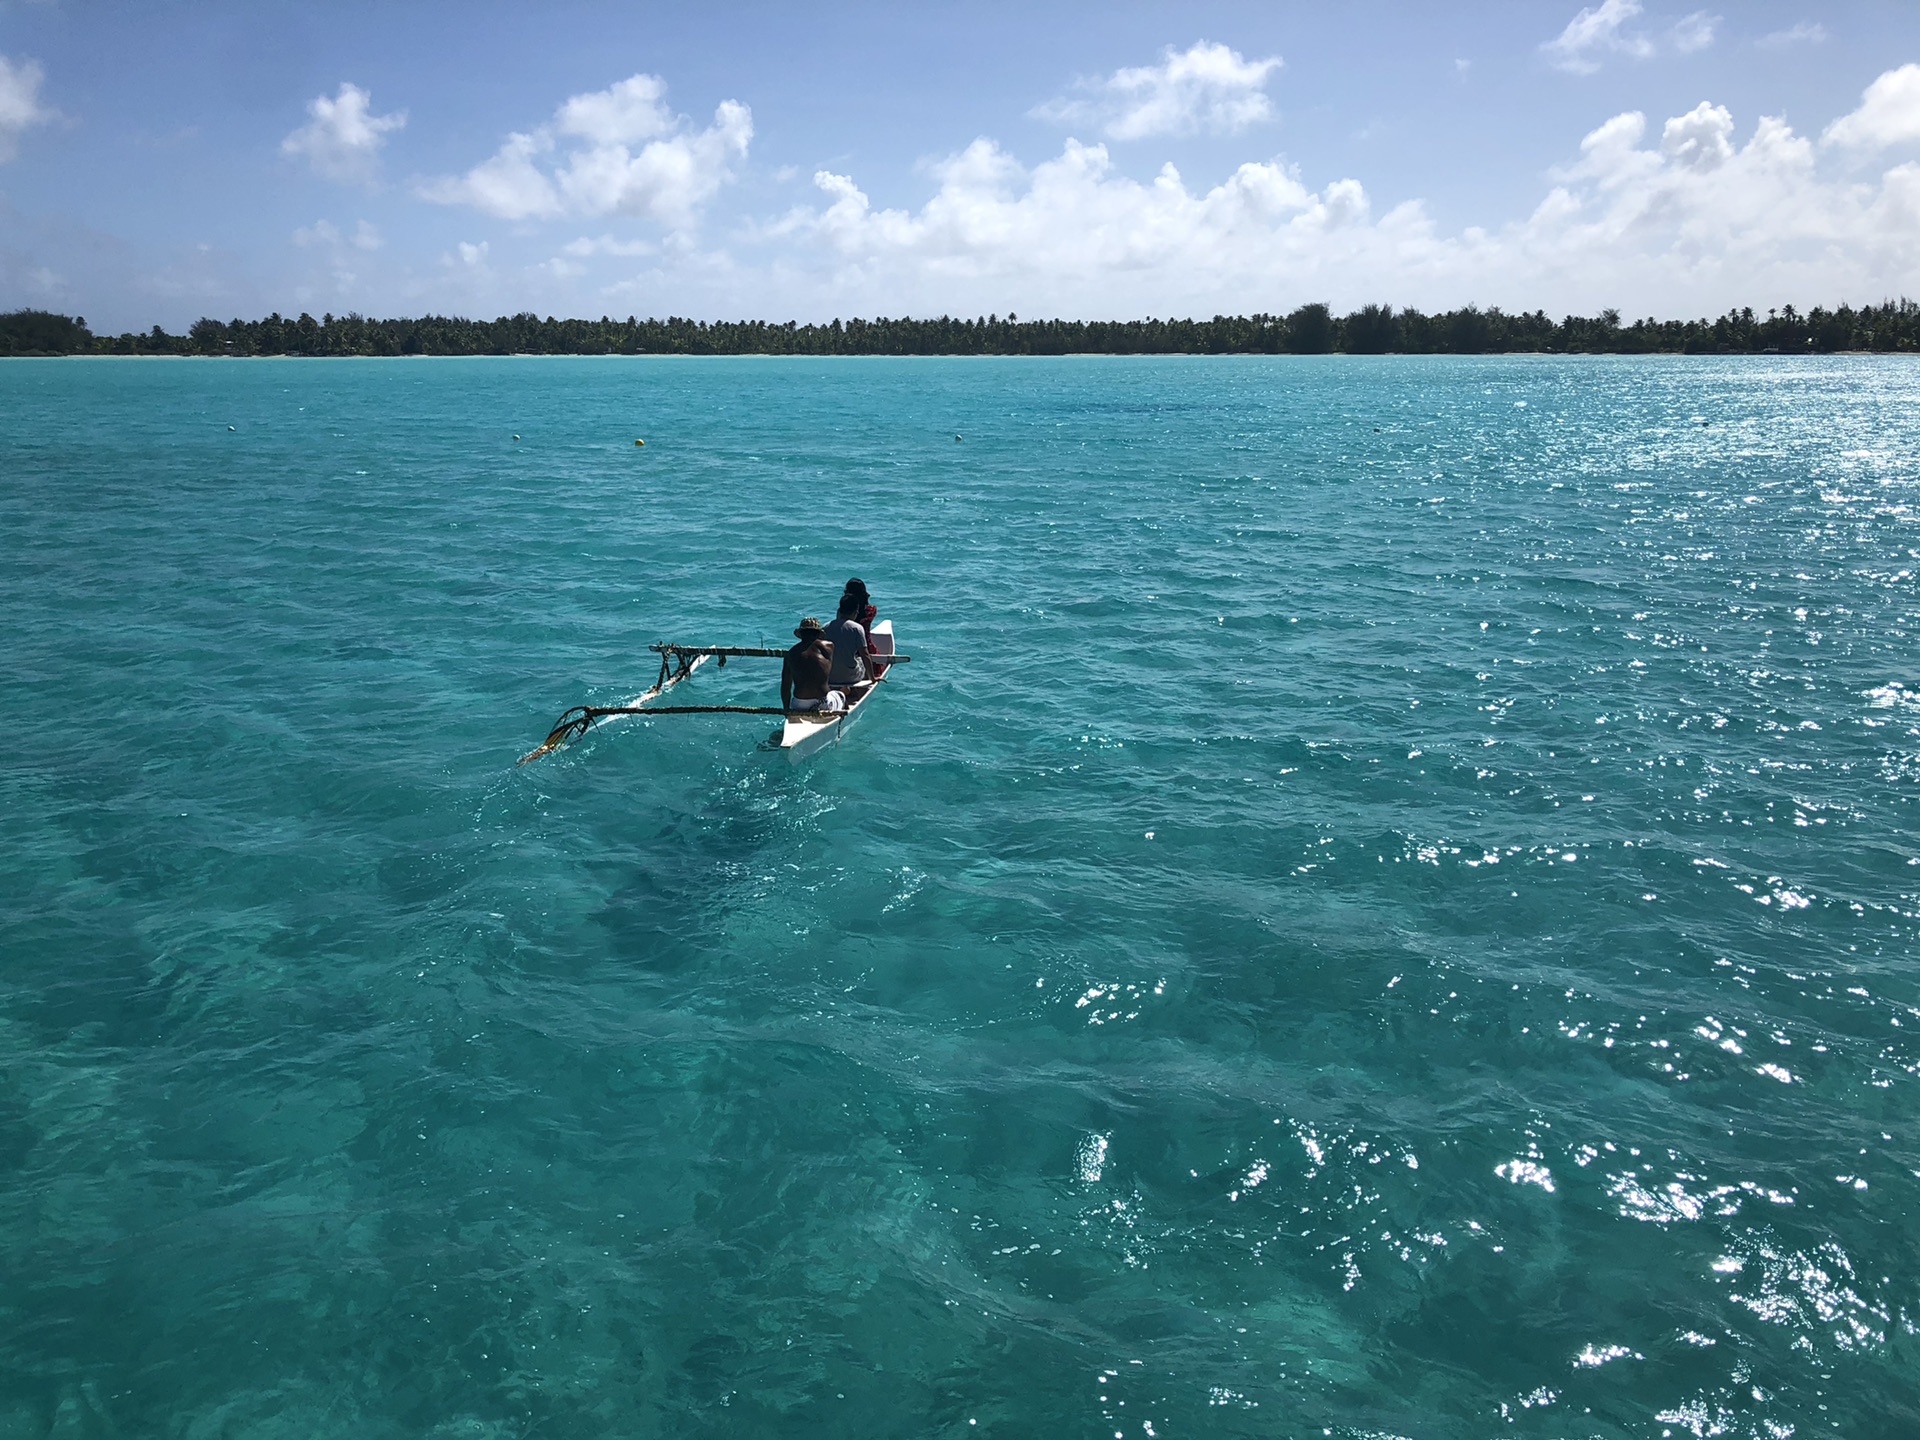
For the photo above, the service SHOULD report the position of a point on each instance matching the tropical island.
(1892, 326)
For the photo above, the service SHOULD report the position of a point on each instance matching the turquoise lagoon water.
(1385, 904)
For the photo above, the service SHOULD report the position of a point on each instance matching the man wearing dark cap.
(804, 671)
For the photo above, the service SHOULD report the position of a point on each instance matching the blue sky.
(166, 161)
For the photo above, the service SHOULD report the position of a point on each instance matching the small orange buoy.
(641, 443)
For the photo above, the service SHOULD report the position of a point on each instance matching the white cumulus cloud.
(622, 114)
(1205, 88)
(1687, 217)
(1701, 139)
(618, 151)
(20, 107)
(1889, 114)
(1604, 29)
(342, 140)
(1075, 224)
(510, 185)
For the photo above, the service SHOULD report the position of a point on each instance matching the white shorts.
(832, 705)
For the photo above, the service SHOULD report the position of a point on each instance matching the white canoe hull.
(799, 738)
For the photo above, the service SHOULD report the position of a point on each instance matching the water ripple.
(1383, 906)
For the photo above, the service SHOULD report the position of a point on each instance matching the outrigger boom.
(801, 733)
(721, 650)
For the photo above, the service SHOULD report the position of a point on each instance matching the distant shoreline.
(1062, 355)
(1892, 327)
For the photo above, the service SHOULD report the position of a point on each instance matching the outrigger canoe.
(801, 732)
(806, 731)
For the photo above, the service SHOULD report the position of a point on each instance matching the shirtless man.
(804, 671)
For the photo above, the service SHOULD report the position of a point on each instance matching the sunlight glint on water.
(1383, 905)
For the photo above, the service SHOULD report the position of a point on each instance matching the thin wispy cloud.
(1598, 31)
(587, 246)
(1691, 32)
(20, 107)
(325, 233)
(1204, 89)
(1607, 30)
(1807, 32)
(340, 258)
(343, 137)
(618, 151)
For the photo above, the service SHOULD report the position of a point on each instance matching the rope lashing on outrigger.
(677, 662)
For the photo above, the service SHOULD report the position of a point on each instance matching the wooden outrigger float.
(801, 732)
